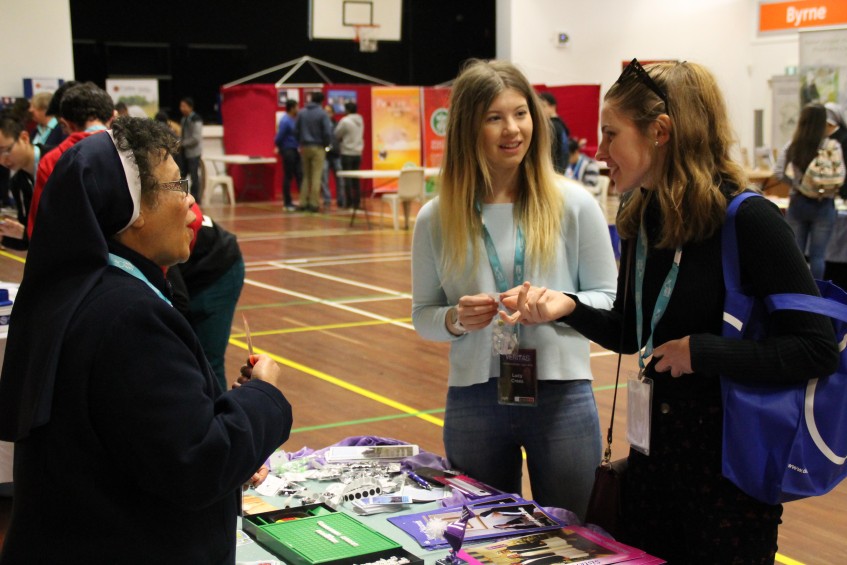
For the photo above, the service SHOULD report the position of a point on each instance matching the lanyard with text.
(505, 340)
(518, 381)
(640, 388)
(125, 265)
(646, 349)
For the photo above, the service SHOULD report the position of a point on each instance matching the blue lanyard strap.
(494, 259)
(128, 267)
(661, 301)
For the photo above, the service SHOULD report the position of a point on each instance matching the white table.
(250, 182)
(381, 174)
(384, 173)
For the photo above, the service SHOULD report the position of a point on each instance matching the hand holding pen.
(260, 367)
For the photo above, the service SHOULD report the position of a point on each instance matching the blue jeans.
(561, 437)
(812, 222)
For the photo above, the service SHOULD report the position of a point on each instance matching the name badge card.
(518, 384)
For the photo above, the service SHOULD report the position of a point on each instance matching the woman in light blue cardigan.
(501, 206)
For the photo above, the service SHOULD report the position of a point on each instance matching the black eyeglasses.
(180, 185)
(635, 69)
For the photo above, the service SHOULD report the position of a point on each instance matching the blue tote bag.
(782, 442)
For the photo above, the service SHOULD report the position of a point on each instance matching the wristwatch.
(455, 324)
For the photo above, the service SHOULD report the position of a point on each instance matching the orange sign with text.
(802, 14)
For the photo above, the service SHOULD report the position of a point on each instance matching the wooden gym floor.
(332, 304)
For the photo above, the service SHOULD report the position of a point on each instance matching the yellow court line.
(326, 327)
(787, 560)
(344, 384)
(15, 257)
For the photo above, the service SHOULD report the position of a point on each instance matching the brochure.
(494, 517)
(571, 544)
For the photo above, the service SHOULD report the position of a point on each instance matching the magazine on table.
(494, 517)
(571, 544)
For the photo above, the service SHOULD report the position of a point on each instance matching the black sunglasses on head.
(634, 69)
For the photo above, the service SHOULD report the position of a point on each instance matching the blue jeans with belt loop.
(561, 437)
(812, 221)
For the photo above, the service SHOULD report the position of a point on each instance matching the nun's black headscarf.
(92, 194)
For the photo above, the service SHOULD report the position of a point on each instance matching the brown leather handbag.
(605, 506)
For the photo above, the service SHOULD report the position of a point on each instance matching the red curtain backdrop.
(579, 107)
(248, 113)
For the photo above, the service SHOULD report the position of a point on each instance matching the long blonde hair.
(687, 181)
(466, 174)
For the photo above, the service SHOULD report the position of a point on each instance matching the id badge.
(518, 383)
(639, 402)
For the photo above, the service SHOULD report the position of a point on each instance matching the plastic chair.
(214, 181)
(410, 186)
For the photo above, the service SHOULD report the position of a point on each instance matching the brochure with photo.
(493, 518)
(571, 544)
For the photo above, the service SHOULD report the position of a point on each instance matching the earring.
(656, 143)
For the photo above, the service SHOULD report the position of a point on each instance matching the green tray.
(298, 542)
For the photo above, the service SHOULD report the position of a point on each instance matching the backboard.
(337, 19)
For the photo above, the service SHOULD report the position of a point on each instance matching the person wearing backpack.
(813, 165)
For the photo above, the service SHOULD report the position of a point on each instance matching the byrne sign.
(801, 14)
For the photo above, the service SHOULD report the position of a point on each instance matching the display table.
(254, 178)
(255, 552)
(375, 174)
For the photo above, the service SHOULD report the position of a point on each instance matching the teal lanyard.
(661, 301)
(125, 265)
(494, 259)
(95, 127)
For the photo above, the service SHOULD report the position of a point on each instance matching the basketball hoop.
(366, 37)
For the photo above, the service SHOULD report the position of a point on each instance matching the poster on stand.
(396, 119)
(33, 86)
(823, 67)
(785, 108)
(436, 103)
(141, 95)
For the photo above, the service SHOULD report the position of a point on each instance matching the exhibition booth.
(404, 125)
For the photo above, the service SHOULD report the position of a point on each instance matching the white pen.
(326, 536)
(327, 528)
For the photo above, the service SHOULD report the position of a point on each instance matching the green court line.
(301, 302)
(325, 327)
(365, 420)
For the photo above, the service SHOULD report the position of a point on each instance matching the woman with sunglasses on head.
(502, 212)
(117, 418)
(667, 139)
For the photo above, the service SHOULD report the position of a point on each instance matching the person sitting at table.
(581, 167)
(126, 449)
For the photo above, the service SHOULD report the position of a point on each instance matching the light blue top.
(585, 267)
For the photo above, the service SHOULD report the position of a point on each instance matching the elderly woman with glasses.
(666, 138)
(126, 448)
